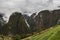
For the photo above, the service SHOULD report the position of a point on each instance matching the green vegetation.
(17, 37)
(51, 34)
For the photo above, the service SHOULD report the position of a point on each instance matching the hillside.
(50, 34)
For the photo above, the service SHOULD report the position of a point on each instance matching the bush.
(17, 37)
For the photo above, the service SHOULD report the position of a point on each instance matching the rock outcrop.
(16, 25)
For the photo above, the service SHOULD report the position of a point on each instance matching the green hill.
(50, 34)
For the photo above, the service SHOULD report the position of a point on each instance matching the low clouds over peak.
(28, 6)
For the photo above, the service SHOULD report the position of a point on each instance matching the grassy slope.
(51, 34)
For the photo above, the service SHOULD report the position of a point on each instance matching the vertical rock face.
(16, 24)
(31, 22)
(42, 20)
(56, 15)
(46, 19)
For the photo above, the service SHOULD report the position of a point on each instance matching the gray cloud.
(29, 6)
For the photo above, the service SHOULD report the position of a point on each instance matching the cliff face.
(56, 15)
(46, 19)
(16, 25)
(23, 24)
(42, 20)
(31, 22)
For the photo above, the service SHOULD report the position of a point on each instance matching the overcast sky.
(29, 6)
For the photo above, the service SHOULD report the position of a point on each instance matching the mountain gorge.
(45, 19)
(17, 23)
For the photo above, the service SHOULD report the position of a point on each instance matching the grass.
(50, 34)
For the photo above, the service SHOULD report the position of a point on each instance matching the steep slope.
(45, 19)
(50, 34)
(16, 25)
(31, 21)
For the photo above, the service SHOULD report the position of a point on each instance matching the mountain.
(16, 25)
(26, 16)
(24, 25)
(56, 15)
(2, 22)
(46, 19)
(31, 22)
